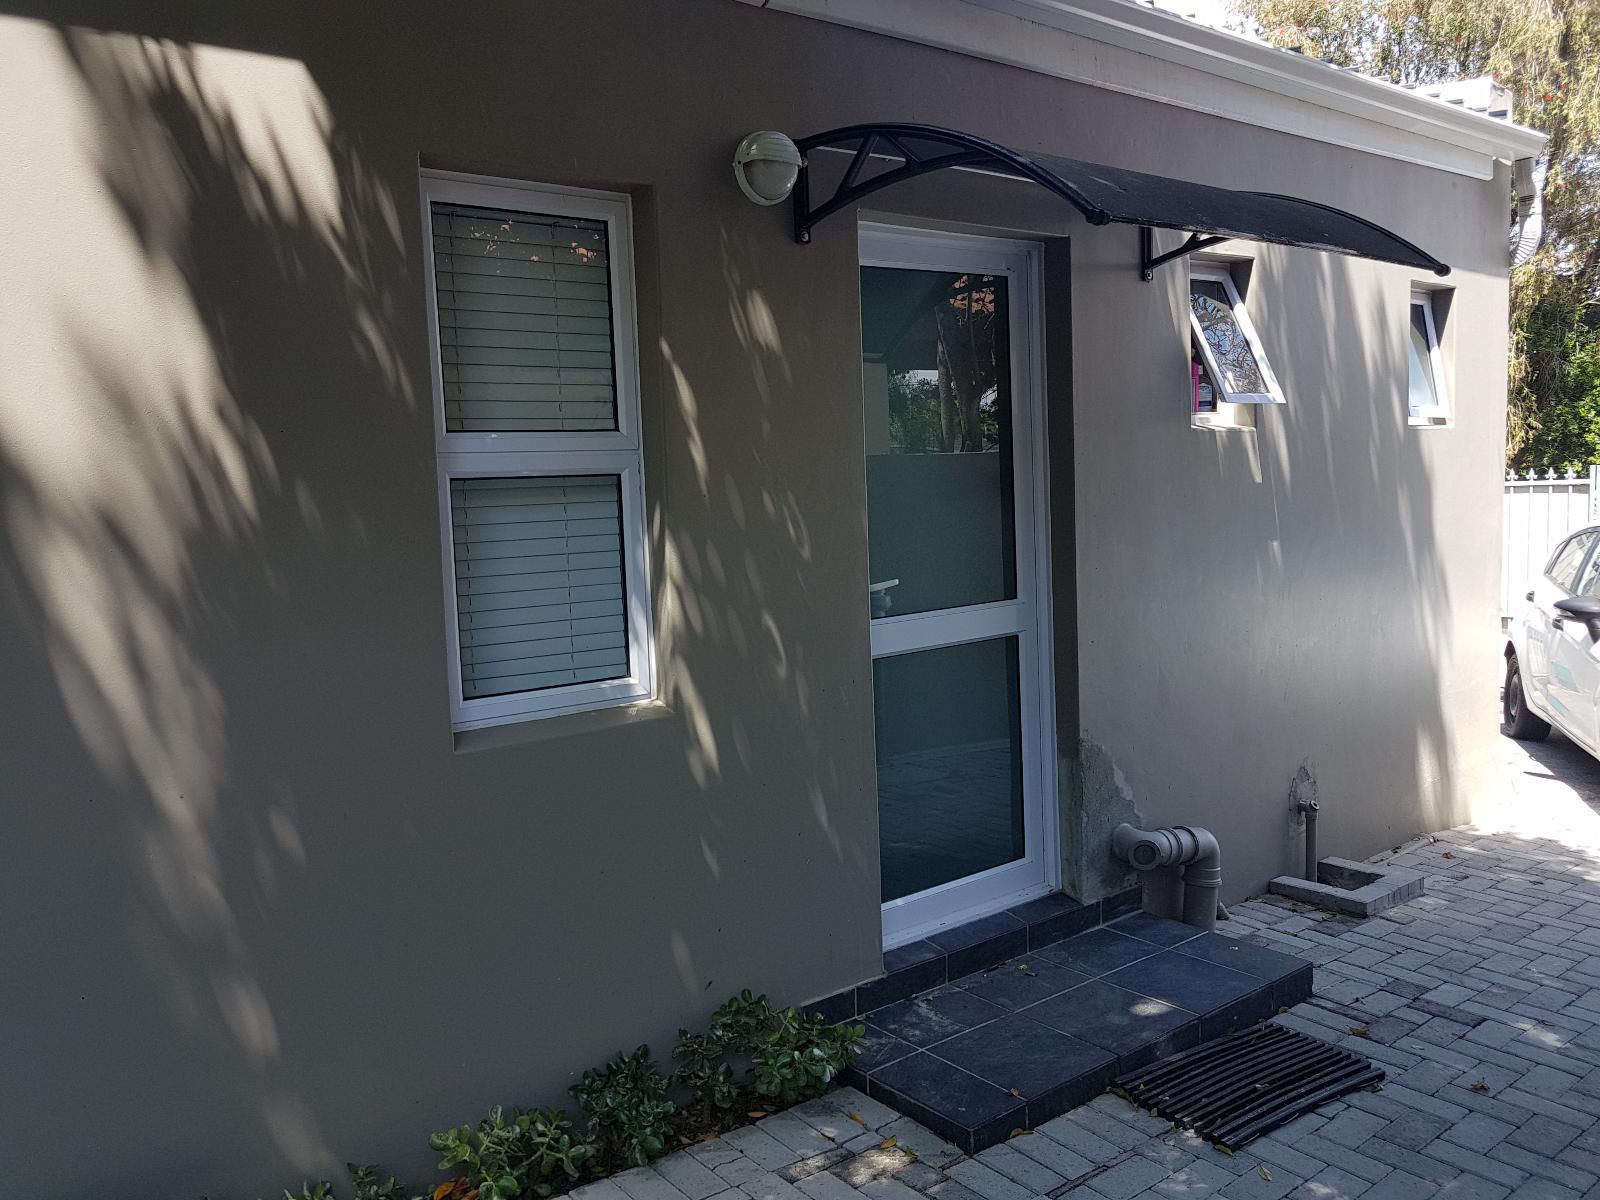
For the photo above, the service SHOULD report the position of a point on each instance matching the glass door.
(955, 504)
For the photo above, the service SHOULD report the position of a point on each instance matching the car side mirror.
(1585, 609)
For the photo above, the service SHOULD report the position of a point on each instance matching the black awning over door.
(885, 154)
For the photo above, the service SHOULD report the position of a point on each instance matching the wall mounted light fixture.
(766, 165)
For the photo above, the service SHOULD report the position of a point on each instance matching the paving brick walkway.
(1481, 999)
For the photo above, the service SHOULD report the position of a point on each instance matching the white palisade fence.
(1540, 510)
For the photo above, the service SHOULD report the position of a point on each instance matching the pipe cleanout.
(1188, 848)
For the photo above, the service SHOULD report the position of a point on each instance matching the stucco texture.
(263, 913)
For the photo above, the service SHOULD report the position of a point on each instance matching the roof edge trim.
(1253, 83)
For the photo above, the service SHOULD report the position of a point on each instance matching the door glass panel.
(949, 736)
(936, 375)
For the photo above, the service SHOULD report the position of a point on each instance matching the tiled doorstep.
(1012, 1046)
(953, 953)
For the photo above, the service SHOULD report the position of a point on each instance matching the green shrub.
(712, 1065)
(781, 1056)
(749, 1048)
(627, 1106)
(703, 1069)
(800, 1055)
(741, 1022)
(505, 1157)
(365, 1185)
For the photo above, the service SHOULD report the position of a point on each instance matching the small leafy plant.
(628, 1110)
(800, 1055)
(781, 1055)
(741, 1022)
(510, 1156)
(751, 1056)
(710, 1064)
(704, 1070)
(365, 1184)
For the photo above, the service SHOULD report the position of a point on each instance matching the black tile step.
(1015, 1043)
(959, 951)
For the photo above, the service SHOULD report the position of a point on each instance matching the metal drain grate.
(1233, 1090)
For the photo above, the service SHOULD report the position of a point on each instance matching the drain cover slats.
(1233, 1090)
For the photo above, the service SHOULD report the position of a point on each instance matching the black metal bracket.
(1149, 260)
(893, 140)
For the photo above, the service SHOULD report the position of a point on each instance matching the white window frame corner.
(1218, 272)
(1441, 415)
(1226, 416)
(546, 454)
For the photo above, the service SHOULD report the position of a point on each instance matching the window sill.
(1221, 427)
(535, 728)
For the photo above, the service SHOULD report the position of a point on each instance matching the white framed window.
(1230, 372)
(1427, 402)
(540, 474)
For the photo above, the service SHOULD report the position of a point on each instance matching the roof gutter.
(1110, 44)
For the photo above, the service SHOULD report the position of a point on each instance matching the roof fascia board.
(1121, 47)
(1188, 43)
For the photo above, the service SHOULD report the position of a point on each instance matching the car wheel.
(1515, 719)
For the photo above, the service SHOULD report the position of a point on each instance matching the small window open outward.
(1426, 401)
(1229, 349)
(1228, 370)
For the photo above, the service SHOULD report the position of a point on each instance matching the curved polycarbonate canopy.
(885, 154)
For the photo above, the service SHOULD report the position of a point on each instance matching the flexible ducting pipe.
(1188, 847)
(1527, 222)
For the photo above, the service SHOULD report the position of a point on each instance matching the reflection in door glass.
(936, 377)
(949, 737)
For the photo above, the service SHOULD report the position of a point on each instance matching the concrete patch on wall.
(1095, 799)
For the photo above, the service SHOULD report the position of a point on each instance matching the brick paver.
(1481, 999)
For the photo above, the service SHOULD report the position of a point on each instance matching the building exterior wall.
(264, 914)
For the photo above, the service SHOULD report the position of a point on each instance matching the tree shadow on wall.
(152, 559)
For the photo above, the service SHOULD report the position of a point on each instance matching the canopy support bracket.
(1149, 260)
(891, 141)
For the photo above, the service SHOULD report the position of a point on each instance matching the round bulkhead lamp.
(766, 165)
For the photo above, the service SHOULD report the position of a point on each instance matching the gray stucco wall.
(262, 914)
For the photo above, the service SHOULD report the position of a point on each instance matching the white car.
(1553, 651)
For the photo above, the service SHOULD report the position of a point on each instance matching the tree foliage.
(1547, 52)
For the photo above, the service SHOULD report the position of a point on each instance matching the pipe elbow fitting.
(1207, 850)
(1204, 866)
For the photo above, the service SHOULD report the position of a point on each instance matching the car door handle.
(1529, 597)
(1556, 622)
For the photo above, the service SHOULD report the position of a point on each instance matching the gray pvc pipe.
(1190, 847)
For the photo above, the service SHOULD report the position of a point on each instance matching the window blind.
(524, 310)
(540, 597)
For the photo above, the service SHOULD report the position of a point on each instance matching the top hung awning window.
(884, 154)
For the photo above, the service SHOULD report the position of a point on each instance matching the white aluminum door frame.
(1028, 617)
